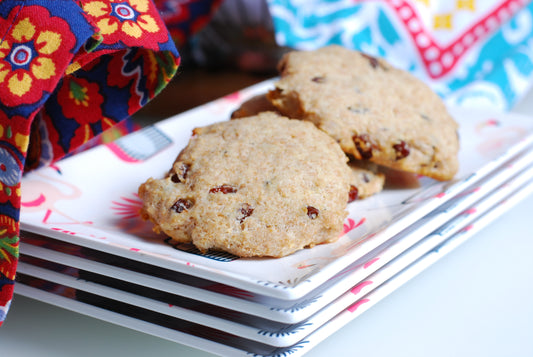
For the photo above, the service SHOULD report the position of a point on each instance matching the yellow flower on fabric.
(132, 21)
(30, 52)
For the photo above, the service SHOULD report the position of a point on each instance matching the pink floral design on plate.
(127, 208)
(355, 306)
(351, 225)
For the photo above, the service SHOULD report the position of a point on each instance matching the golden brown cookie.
(375, 111)
(263, 185)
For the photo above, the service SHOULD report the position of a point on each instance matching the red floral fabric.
(69, 70)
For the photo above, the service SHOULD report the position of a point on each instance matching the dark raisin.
(402, 150)
(224, 189)
(365, 177)
(175, 178)
(373, 61)
(312, 212)
(363, 145)
(318, 79)
(182, 205)
(353, 194)
(245, 212)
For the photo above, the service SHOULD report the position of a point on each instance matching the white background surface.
(477, 301)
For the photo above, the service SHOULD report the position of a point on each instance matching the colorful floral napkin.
(69, 70)
(472, 52)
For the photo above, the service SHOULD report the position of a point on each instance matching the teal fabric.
(494, 71)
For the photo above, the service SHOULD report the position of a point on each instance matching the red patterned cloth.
(69, 70)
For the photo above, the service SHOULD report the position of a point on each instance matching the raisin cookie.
(374, 111)
(263, 185)
(366, 180)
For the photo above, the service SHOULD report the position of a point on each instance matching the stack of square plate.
(84, 247)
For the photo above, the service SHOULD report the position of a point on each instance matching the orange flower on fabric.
(32, 57)
(131, 22)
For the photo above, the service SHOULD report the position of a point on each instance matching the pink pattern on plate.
(63, 231)
(370, 262)
(120, 153)
(467, 228)
(46, 192)
(357, 289)
(233, 97)
(304, 266)
(35, 202)
(493, 122)
(474, 190)
(129, 208)
(470, 210)
(351, 225)
(355, 306)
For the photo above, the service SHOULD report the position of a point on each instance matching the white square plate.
(90, 200)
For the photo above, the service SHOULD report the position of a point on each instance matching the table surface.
(476, 301)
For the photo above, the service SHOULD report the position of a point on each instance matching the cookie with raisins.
(263, 185)
(366, 179)
(375, 111)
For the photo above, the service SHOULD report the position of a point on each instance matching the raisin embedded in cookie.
(375, 111)
(263, 185)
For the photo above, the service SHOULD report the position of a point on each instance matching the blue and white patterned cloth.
(473, 53)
